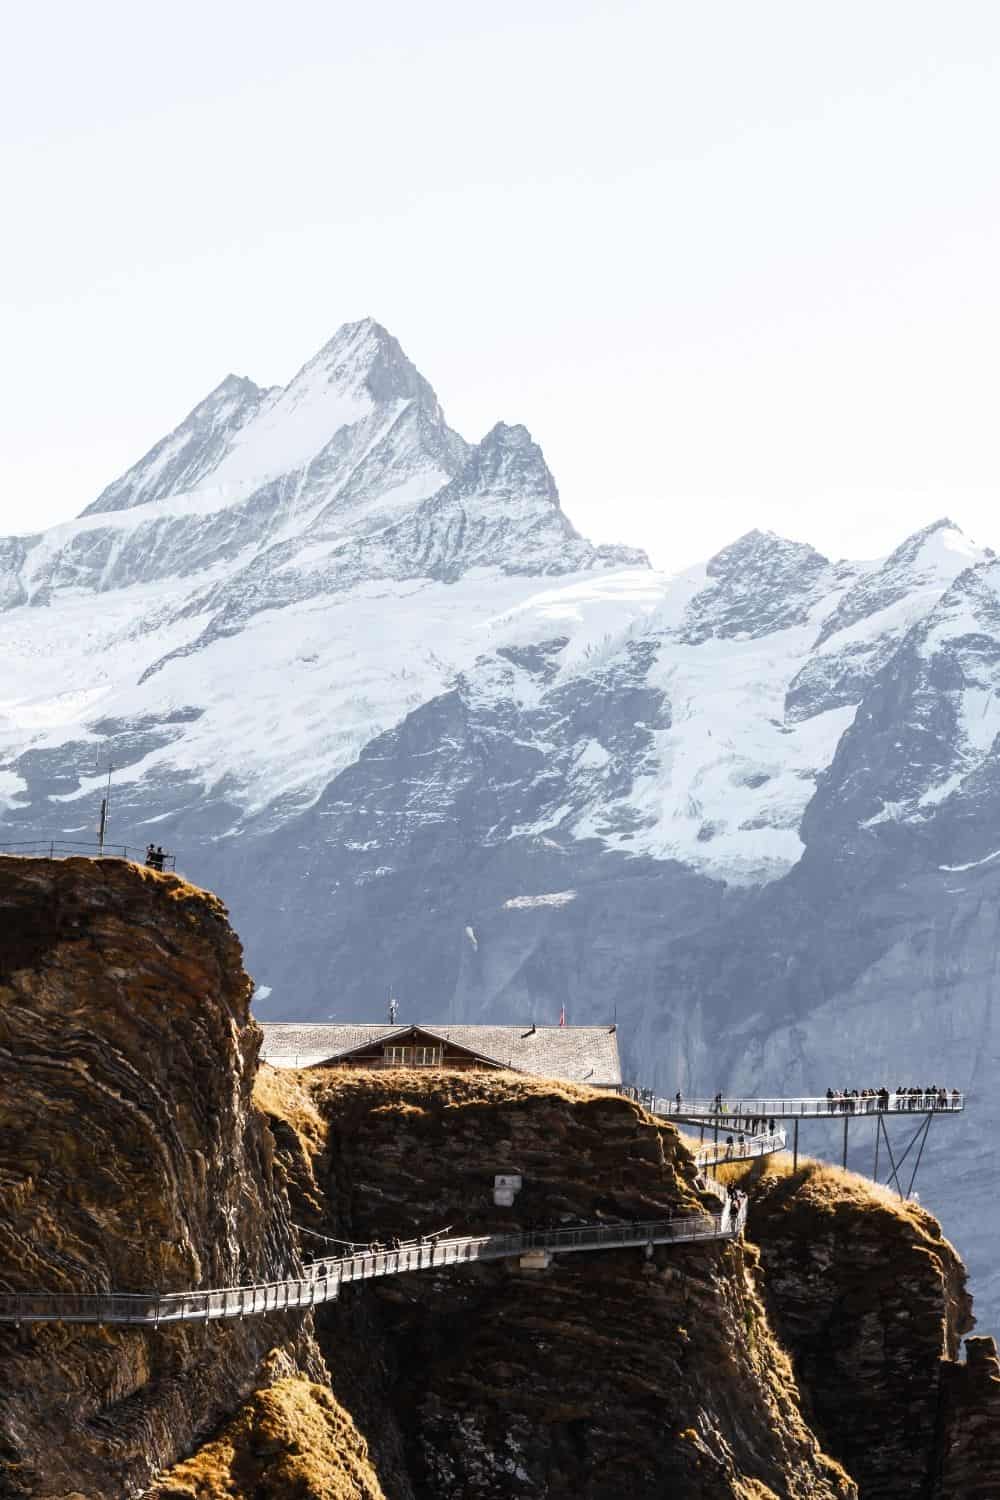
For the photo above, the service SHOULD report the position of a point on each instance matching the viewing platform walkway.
(765, 1144)
(741, 1114)
(736, 1107)
(73, 849)
(323, 1280)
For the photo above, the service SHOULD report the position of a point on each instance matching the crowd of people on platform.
(904, 1097)
(844, 1102)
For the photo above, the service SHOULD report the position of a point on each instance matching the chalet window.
(413, 1057)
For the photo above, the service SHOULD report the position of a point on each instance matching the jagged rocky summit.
(371, 685)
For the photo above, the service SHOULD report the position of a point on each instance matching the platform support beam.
(795, 1146)
(920, 1152)
(892, 1159)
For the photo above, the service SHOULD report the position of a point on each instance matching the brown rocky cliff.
(968, 1438)
(870, 1300)
(607, 1374)
(130, 1159)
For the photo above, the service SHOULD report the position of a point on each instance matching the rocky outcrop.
(130, 1159)
(969, 1425)
(290, 1439)
(869, 1298)
(605, 1374)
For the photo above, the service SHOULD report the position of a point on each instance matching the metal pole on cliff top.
(102, 826)
(795, 1144)
(844, 1163)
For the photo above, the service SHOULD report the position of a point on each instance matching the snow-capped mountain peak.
(364, 356)
(508, 462)
(187, 456)
(241, 436)
(759, 583)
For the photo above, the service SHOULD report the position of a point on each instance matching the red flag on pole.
(562, 1016)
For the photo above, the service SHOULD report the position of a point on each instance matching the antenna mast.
(102, 826)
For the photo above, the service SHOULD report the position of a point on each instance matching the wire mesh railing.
(323, 1279)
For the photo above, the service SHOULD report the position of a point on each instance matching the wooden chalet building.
(573, 1054)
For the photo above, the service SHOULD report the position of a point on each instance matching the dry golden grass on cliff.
(176, 887)
(302, 1097)
(289, 1094)
(298, 1095)
(451, 1086)
(827, 1187)
(291, 1441)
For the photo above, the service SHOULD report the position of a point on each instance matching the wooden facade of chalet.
(573, 1054)
(415, 1047)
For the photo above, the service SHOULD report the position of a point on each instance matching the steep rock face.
(758, 584)
(130, 1159)
(969, 1425)
(606, 1374)
(178, 462)
(870, 620)
(869, 1298)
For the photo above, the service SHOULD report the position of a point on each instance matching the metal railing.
(67, 848)
(755, 1145)
(736, 1107)
(324, 1278)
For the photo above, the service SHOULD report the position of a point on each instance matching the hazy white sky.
(734, 264)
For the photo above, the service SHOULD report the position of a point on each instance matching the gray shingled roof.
(577, 1054)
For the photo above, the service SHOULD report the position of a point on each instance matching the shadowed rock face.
(969, 1425)
(869, 1299)
(130, 1159)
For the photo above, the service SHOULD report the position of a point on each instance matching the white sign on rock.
(506, 1187)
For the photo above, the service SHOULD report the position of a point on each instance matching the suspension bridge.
(323, 1279)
